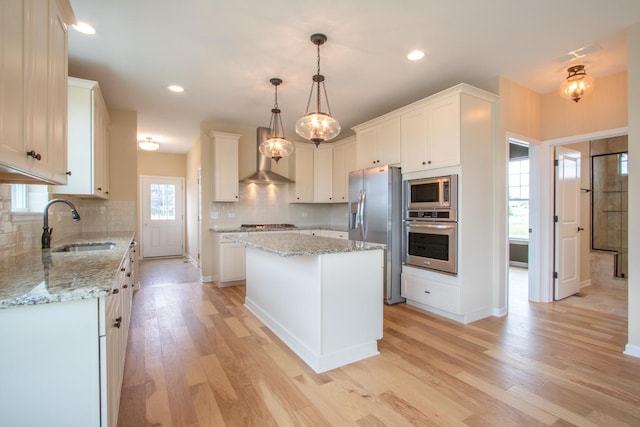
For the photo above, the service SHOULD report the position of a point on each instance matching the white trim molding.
(632, 350)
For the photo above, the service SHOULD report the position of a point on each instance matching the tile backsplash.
(269, 204)
(21, 232)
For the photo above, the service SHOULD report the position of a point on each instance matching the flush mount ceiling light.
(415, 55)
(577, 84)
(175, 88)
(148, 144)
(84, 28)
(276, 146)
(318, 126)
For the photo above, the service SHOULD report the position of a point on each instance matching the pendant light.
(276, 146)
(577, 84)
(148, 144)
(318, 126)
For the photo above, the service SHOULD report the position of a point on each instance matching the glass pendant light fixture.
(577, 84)
(318, 126)
(148, 144)
(276, 146)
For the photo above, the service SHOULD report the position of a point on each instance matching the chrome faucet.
(46, 231)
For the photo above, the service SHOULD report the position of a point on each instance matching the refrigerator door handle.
(363, 219)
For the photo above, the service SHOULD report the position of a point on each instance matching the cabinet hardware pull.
(128, 274)
(117, 322)
(68, 173)
(122, 269)
(580, 229)
(429, 162)
(115, 291)
(33, 154)
(427, 292)
(99, 188)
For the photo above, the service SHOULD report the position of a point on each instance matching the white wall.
(633, 59)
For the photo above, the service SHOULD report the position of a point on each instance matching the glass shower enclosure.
(609, 207)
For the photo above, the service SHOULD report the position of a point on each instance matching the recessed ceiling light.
(415, 55)
(84, 28)
(175, 88)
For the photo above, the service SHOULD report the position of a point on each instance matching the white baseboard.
(207, 279)
(632, 350)
(500, 312)
(192, 260)
(319, 362)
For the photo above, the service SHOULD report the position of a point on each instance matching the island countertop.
(44, 276)
(293, 244)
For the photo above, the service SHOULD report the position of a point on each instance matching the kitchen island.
(321, 296)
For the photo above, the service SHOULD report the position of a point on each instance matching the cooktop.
(266, 226)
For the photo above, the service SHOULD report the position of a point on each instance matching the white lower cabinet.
(430, 292)
(62, 363)
(232, 262)
(229, 259)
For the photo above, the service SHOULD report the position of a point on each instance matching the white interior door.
(567, 230)
(162, 207)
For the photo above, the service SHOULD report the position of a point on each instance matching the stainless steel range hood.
(264, 175)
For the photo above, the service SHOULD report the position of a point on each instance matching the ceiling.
(225, 52)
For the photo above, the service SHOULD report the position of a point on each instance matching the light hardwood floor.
(197, 357)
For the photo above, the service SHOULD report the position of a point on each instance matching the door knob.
(580, 229)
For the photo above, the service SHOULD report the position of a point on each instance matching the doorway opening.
(602, 253)
(519, 212)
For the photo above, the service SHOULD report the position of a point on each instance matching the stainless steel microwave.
(432, 193)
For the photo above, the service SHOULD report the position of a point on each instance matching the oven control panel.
(433, 215)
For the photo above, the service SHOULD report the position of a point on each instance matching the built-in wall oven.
(431, 224)
(432, 245)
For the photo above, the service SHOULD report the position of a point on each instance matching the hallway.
(597, 298)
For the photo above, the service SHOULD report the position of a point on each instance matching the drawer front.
(430, 292)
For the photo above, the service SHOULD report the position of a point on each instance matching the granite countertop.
(44, 276)
(293, 244)
(240, 229)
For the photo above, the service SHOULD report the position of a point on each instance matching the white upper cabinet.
(33, 81)
(378, 142)
(344, 161)
(431, 135)
(302, 163)
(225, 166)
(323, 173)
(88, 142)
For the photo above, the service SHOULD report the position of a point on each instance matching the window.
(519, 198)
(163, 202)
(624, 164)
(29, 198)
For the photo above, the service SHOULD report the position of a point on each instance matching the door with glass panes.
(162, 219)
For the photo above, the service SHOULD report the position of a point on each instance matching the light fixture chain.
(318, 82)
(276, 104)
(326, 98)
(306, 111)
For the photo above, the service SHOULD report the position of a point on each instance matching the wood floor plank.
(198, 357)
(515, 402)
(206, 406)
(157, 397)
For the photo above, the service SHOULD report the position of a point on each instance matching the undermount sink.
(79, 247)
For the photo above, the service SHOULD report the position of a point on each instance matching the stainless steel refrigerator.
(375, 215)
